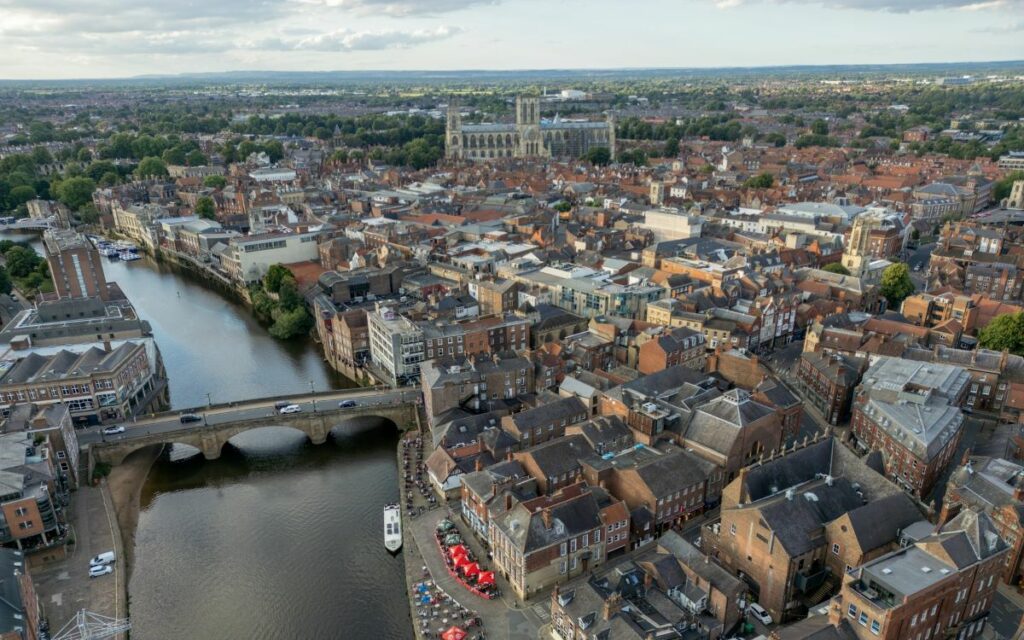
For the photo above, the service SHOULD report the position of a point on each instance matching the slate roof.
(876, 523)
(717, 424)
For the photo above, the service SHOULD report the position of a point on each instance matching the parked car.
(290, 408)
(346, 404)
(281, 404)
(758, 612)
(107, 557)
(190, 417)
(111, 431)
(102, 570)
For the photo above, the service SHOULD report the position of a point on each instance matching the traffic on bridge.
(214, 415)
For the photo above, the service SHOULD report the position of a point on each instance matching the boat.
(109, 251)
(392, 527)
(128, 255)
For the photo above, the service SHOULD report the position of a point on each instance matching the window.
(732, 529)
(863, 619)
(852, 611)
(875, 627)
(562, 550)
(835, 548)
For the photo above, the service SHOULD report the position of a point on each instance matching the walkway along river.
(277, 539)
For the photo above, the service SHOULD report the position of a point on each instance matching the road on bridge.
(222, 414)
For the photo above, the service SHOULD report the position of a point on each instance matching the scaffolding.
(87, 625)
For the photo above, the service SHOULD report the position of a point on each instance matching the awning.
(454, 633)
(459, 550)
(485, 578)
(459, 561)
(470, 569)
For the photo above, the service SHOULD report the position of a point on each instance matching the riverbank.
(125, 484)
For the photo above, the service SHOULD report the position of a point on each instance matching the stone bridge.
(210, 439)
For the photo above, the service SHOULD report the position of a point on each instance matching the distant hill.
(1012, 67)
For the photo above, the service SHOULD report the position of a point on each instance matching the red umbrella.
(454, 633)
(458, 561)
(459, 549)
(485, 578)
(471, 569)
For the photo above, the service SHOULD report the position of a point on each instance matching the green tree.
(836, 267)
(671, 149)
(1002, 187)
(89, 214)
(288, 294)
(76, 192)
(151, 167)
(20, 195)
(290, 324)
(775, 139)
(1005, 332)
(205, 208)
(40, 155)
(562, 207)
(21, 261)
(276, 274)
(195, 158)
(5, 281)
(599, 156)
(215, 182)
(819, 128)
(762, 181)
(896, 284)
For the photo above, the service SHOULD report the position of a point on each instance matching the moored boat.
(392, 527)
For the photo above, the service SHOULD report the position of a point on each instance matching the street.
(220, 414)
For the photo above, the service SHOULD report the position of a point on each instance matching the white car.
(111, 431)
(101, 570)
(758, 612)
(291, 408)
(107, 557)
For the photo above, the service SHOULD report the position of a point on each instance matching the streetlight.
(209, 401)
(312, 390)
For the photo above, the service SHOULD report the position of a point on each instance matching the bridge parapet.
(210, 439)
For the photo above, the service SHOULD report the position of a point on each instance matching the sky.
(48, 39)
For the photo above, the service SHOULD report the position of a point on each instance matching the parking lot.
(64, 587)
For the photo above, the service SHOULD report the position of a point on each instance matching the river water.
(278, 539)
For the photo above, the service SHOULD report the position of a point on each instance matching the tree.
(1002, 187)
(205, 208)
(215, 182)
(775, 139)
(195, 158)
(5, 281)
(289, 324)
(151, 167)
(819, 128)
(21, 261)
(763, 181)
(288, 294)
(598, 156)
(20, 195)
(562, 207)
(836, 267)
(1005, 332)
(896, 284)
(89, 214)
(76, 192)
(40, 155)
(636, 156)
(276, 274)
(671, 148)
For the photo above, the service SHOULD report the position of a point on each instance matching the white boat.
(392, 528)
(109, 251)
(128, 255)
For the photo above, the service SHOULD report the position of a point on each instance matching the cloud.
(895, 6)
(352, 40)
(402, 8)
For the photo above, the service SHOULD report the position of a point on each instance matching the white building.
(272, 174)
(396, 345)
(248, 258)
(670, 224)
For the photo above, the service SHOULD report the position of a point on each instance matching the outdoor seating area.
(461, 563)
(415, 473)
(441, 617)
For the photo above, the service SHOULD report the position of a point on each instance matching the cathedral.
(529, 137)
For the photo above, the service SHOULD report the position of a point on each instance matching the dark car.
(347, 404)
(190, 417)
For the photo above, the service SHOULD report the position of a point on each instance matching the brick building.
(828, 381)
(679, 346)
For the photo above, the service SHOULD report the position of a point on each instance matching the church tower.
(531, 144)
(453, 132)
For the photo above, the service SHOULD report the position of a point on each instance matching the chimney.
(508, 501)
(479, 465)
(611, 606)
(106, 346)
(545, 516)
(741, 477)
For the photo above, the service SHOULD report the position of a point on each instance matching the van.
(107, 557)
(281, 404)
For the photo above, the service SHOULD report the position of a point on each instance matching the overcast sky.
(113, 38)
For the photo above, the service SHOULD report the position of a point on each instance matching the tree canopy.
(836, 267)
(599, 156)
(205, 208)
(76, 192)
(151, 167)
(896, 284)
(1005, 332)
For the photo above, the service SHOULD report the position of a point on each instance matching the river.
(278, 539)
